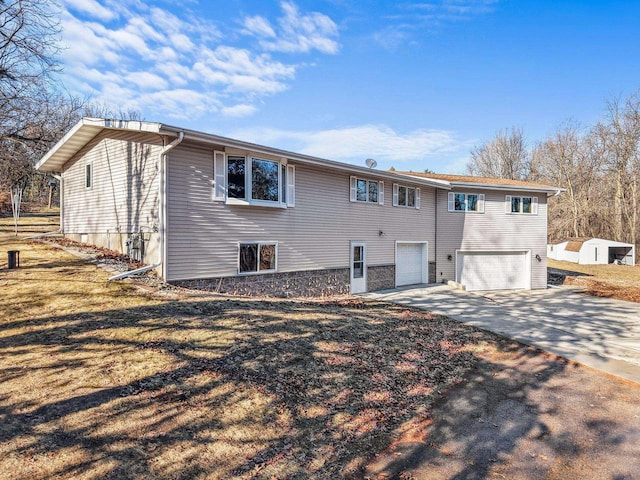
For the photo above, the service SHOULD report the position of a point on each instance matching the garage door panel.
(410, 263)
(492, 270)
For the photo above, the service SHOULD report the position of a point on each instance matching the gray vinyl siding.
(492, 230)
(203, 235)
(124, 194)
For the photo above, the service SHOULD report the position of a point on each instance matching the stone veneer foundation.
(381, 277)
(313, 283)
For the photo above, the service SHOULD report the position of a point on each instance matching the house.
(593, 251)
(217, 213)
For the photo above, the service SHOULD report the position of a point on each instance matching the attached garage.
(493, 270)
(411, 263)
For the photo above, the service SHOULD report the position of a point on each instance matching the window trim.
(396, 196)
(258, 244)
(353, 196)
(509, 200)
(451, 202)
(88, 176)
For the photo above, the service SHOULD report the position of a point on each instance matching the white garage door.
(493, 270)
(411, 263)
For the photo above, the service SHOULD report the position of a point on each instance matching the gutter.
(162, 211)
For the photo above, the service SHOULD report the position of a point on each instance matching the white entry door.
(358, 267)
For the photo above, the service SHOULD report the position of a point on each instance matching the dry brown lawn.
(105, 380)
(613, 281)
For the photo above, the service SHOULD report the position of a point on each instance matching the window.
(525, 205)
(88, 175)
(236, 178)
(265, 180)
(257, 257)
(406, 196)
(466, 202)
(251, 180)
(367, 191)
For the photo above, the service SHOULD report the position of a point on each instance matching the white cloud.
(167, 64)
(258, 26)
(242, 110)
(147, 80)
(354, 144)
(410, 20)
(298, 32)
(92, 8)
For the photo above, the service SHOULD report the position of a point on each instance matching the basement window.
(257, 257)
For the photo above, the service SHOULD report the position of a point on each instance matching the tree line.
(598, 165)
(35, 110)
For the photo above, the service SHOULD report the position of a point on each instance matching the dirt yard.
(612, 281)
(111, 380)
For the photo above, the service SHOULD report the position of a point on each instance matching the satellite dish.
(371, 163)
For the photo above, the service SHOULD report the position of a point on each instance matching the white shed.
(592, 251)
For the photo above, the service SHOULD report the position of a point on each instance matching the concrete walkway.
(599, 332)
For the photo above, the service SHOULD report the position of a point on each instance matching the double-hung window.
(252, 180)
(404, 196)
(257, 257)
(466, 202)
(367, 191)
(517, 204)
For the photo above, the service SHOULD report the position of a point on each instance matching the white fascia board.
(81, 134)
(519, 188)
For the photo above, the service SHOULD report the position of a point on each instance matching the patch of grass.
(102, 380)
(612, 281)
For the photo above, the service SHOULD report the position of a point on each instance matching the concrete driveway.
(599, 332)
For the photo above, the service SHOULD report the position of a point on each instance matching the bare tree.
(619, 134)
(28, 47)
(570, 159)
(506, 156)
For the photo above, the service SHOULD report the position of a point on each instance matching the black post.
(13, 258)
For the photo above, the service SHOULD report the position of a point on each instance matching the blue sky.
(413, 85)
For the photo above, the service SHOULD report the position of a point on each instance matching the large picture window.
(466, 202)
(252, 180)
(258, 257)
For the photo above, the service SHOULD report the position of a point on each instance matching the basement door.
(358, 267)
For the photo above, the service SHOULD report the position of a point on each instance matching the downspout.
(162, 211)
(435, 238)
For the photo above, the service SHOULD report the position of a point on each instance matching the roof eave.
(83, 132)
(525, 188)
(307, 159)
